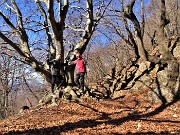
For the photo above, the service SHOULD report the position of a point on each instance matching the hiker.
(81, 66)
(55, 66)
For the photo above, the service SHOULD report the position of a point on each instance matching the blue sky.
(29, 9)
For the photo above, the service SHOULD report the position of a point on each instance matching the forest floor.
(130, 113)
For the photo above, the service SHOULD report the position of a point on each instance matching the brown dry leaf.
(130, 114)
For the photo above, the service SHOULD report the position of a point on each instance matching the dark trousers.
(58, 80)
(80, 80)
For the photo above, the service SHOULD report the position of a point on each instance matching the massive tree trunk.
(91, 24)
(82, 44)
(172, 69)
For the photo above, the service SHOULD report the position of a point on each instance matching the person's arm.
(73, 62)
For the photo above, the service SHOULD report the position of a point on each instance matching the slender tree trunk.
(5, 102)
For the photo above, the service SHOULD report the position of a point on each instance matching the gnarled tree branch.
(23, 36)
(128, 13)
(50, 42)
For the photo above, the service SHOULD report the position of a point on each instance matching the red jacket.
(80, 64)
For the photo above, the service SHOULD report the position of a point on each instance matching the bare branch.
(89, 27)
(142, 18)
(75, 29)
(12, 44)
(51, 47)
(37, 30)
(10, 7)
(51, 18)
(118, 32)
(8, 22)
(23, 36)
(3, 2)
(20, 22)
(128, 13)
(101, 15)
(77, 7)
(29, 88)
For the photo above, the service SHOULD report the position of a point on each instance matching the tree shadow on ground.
(147, 133)
(90, 123)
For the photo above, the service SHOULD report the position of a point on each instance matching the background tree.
(7, 79)
(16, 79)
(155, 57)
(103, 58)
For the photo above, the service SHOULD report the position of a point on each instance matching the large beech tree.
(51, 20)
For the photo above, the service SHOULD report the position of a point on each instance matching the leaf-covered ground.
(128, 114)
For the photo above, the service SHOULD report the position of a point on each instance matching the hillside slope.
(127, 114)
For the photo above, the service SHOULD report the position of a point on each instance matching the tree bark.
(128, 13)
(82, 44)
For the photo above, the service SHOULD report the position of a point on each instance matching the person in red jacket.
(81, 66)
